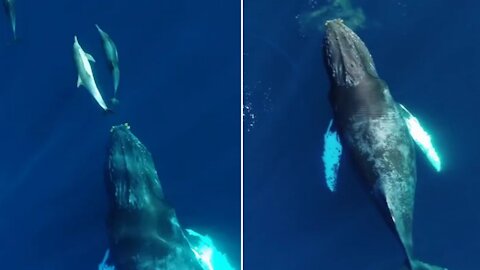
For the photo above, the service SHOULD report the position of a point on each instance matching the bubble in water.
(256, 100)
(314, 21)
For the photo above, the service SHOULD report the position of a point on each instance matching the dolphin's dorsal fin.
(79, 81)
(332, 152)
(90, 57)
(421, 137)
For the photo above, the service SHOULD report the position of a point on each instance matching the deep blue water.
(428, 53)
(179, 91)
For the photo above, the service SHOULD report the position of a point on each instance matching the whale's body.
(372, 126)
(85, 73)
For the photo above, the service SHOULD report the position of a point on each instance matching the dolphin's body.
(112, 56)
(144, 233)
(10, 9)
(372, 126)
(85, 73)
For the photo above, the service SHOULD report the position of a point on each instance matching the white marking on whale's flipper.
(422, 138)
(209, 257)
(332, 151)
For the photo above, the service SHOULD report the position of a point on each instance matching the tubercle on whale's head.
(122, 126)
(347, 59)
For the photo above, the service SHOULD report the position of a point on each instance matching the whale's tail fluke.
(418, 265)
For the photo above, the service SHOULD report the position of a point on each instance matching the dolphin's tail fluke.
(108, 111)
(418, 265)
(114, 101)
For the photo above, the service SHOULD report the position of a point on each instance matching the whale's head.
(347, 59)
(132, 179)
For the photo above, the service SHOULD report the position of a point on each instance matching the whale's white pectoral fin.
(90, 57)
(421, 137)
(332, 151)
(79, 81)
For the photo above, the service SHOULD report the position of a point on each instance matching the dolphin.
(85, 73)
(9, 6)
(144, 233)
(112, 55)
(374, 128)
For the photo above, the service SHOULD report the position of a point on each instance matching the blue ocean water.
(428, 53)
(179, 91)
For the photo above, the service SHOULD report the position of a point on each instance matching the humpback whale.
(85, 73)
(112, 56)
(144, 233)
(375, 129)
(9, 6)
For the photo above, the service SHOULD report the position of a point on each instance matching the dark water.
(178, 91)
(428, 52)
